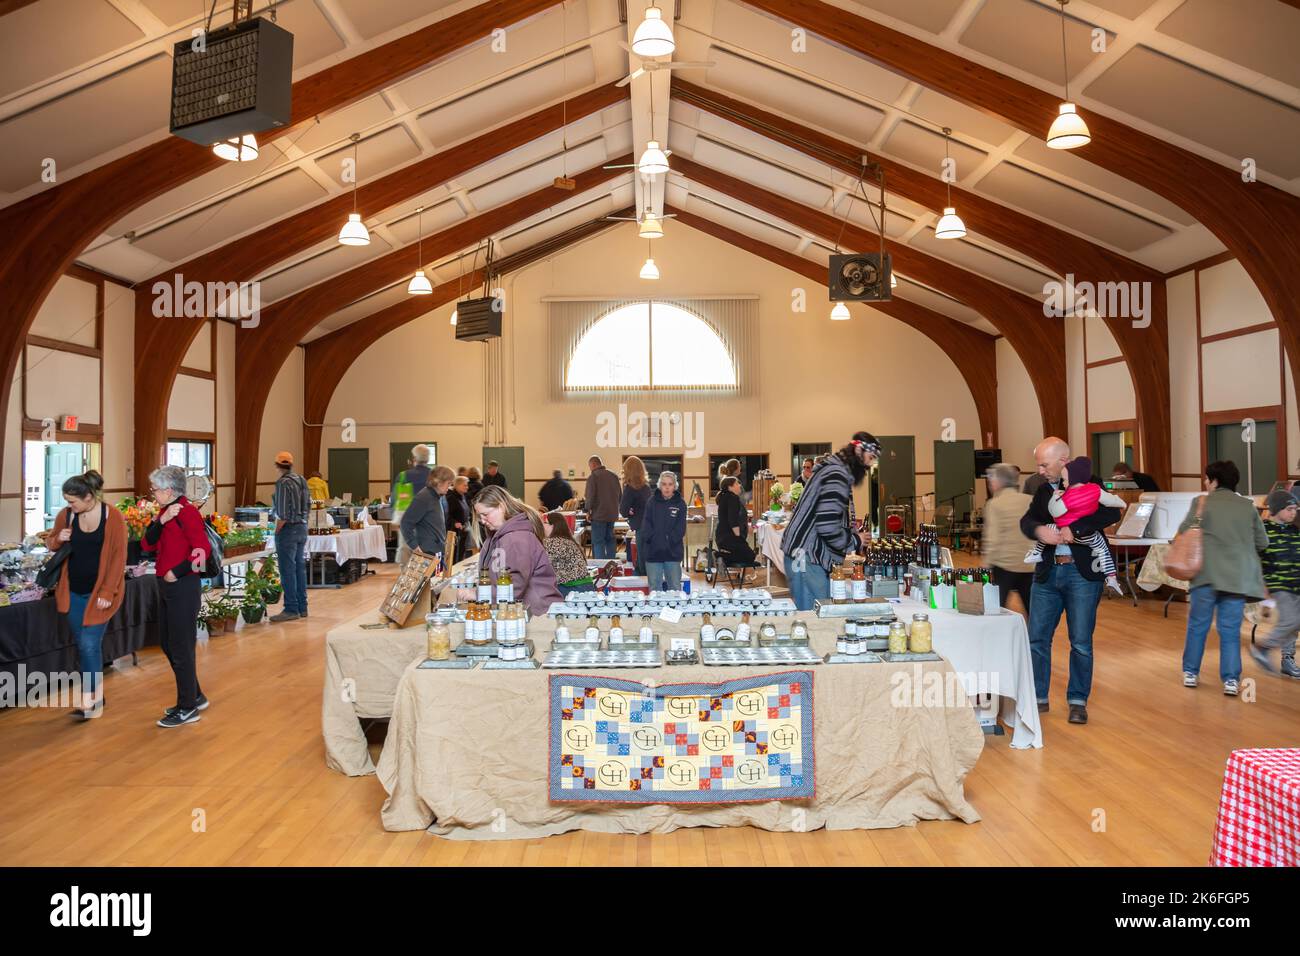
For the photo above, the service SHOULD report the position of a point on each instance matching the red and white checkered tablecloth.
(1259, 810)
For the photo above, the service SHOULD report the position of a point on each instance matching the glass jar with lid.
(897, 638)
(922, 639)
(438, 637)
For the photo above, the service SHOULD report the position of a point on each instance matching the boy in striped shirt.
(1282, 576)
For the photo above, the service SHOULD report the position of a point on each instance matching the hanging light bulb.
(652, 227)
(653, 161)
(649, 270)
(949, 225)
(840, 313)
(1068, 130)
(419, 284)
(653, 37)
(354, 231)
(237, 149)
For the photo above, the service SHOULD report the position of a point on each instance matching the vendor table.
(347, 545)
(467, 751)
(1125, 548)
(769, 546)
(1259, 810)
(35, 636)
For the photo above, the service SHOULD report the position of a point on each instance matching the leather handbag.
(48, 576)
(1186, 554)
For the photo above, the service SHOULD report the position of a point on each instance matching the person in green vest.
(406, 486)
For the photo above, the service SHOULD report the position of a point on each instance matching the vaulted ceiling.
(1218, 78)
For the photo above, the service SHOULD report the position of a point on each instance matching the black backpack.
(216, 550)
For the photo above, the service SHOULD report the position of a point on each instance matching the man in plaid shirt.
(1282, 576)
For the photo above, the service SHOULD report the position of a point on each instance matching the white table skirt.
(990, 653)
(367, 542)
(769, 543)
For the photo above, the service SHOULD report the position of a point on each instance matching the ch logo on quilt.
(748, 739)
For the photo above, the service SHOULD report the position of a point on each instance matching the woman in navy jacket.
(662, 535)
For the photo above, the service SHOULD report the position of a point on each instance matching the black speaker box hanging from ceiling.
(232, 81)
(859, 277)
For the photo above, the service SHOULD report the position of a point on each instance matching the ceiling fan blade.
(623, 44)
(630, 77)
(684, 65)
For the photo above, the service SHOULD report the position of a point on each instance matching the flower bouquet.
(139, 514)
(795, 493)
(775, 493)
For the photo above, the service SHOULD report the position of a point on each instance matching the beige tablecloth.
(466, 754)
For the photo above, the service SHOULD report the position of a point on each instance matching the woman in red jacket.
(181, 543)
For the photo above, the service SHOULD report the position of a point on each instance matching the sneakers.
(1112, 582)
(202, 705)
(179, 717)
(1189, 679)
(1289, 668)
(284, 616)
(1230, 688)
(1261, 657)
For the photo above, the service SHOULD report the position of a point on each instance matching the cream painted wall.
(1018, 432)
(1110, 394)
(282, 423)
(225, 464)
(1242, 372)
(1230, 299)
(820, 381)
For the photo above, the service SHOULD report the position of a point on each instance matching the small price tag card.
(682, 644)
(671, 614)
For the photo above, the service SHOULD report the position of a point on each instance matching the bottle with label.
(561, 632)
(767, 632)
(935, 554)
(484, 591)
(742, 630)
(647, 634)
(851, 627)
(799, 631)
(615, 631)
(707, 629)
(839, 586)
(505, 587)
(592, 634)
(859, 583)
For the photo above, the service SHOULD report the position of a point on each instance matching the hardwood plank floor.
(248, 784)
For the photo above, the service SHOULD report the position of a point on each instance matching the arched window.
(650, 345)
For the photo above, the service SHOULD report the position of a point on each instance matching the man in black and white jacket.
(1066, 580)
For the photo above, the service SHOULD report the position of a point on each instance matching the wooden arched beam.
(1037, 339)
(42, 236)
(1255, 221)
(327, 359)
(261, 351)
(1145, 350)
(161, 343)
(972, 351)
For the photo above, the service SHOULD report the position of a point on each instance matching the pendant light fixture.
(949, 225)
(653, 160)
(653, 37)
(237, 149)
(840, 313)
(652, 227)
(1068, 131)
(354, 231)
(649, 270)
(419, 284)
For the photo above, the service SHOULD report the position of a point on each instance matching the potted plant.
(270, 575)
(253, 607)
(219, 615)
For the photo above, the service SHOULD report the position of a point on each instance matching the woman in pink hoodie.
(514, 541)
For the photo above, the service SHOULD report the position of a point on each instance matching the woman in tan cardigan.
(92, 581)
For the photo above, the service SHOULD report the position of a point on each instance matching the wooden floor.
(248, 785)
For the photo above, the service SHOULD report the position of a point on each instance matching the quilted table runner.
(737, 741)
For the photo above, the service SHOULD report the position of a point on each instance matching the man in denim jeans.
(290, 507)
(1066, 580)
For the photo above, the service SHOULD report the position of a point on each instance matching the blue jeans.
(602, 539)
(664, 575)
(811, 584)
(90, 642)
(1064, 590)
(291, 547)
(1203, 602)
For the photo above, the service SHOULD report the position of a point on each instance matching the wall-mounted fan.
(859, 277)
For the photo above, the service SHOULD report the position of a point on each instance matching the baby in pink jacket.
(1077, 498)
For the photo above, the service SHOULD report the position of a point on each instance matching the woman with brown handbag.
(1230, 573)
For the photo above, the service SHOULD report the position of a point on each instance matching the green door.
(1257, 459)
(1107, 449)
(510, 461)
(895, 476)
(954, 476)
(62, 461)
(348, 469)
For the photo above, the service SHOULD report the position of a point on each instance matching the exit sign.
(69, 423)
